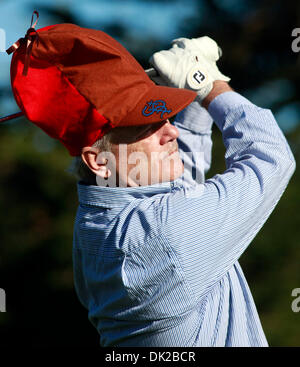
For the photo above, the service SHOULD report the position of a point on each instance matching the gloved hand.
(189, 63)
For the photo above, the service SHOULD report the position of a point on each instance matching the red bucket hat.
(77, 83)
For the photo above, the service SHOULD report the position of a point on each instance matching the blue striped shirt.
(157, 265)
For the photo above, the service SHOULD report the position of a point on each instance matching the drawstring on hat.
(29, 39)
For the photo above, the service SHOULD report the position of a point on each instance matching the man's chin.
(171, 176)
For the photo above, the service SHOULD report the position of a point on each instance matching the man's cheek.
(154, 171)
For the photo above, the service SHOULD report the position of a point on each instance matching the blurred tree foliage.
(38, 198)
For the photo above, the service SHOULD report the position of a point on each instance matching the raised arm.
(195, 144)
(179, 67)
(210, 225)
(195, 128)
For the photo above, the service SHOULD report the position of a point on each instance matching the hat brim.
(158, 104)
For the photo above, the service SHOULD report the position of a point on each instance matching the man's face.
(147, 154)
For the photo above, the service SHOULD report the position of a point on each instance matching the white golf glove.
(189, 63)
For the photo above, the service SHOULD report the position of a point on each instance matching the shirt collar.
(110, 197)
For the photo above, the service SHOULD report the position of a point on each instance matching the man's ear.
(98, 166)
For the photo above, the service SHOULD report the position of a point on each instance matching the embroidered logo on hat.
(158, 106)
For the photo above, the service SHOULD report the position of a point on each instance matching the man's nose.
(170, 132)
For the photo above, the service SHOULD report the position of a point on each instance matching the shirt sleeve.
(195, 128)
(208, 226)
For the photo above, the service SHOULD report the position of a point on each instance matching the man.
(156, 249)
(158, 265)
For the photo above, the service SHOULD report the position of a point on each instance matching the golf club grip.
(151, 72)
(12, 116)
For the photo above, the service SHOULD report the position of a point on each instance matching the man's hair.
(80, 170)
(118, 135)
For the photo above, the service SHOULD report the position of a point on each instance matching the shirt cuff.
(224, 103)
(195, 118)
